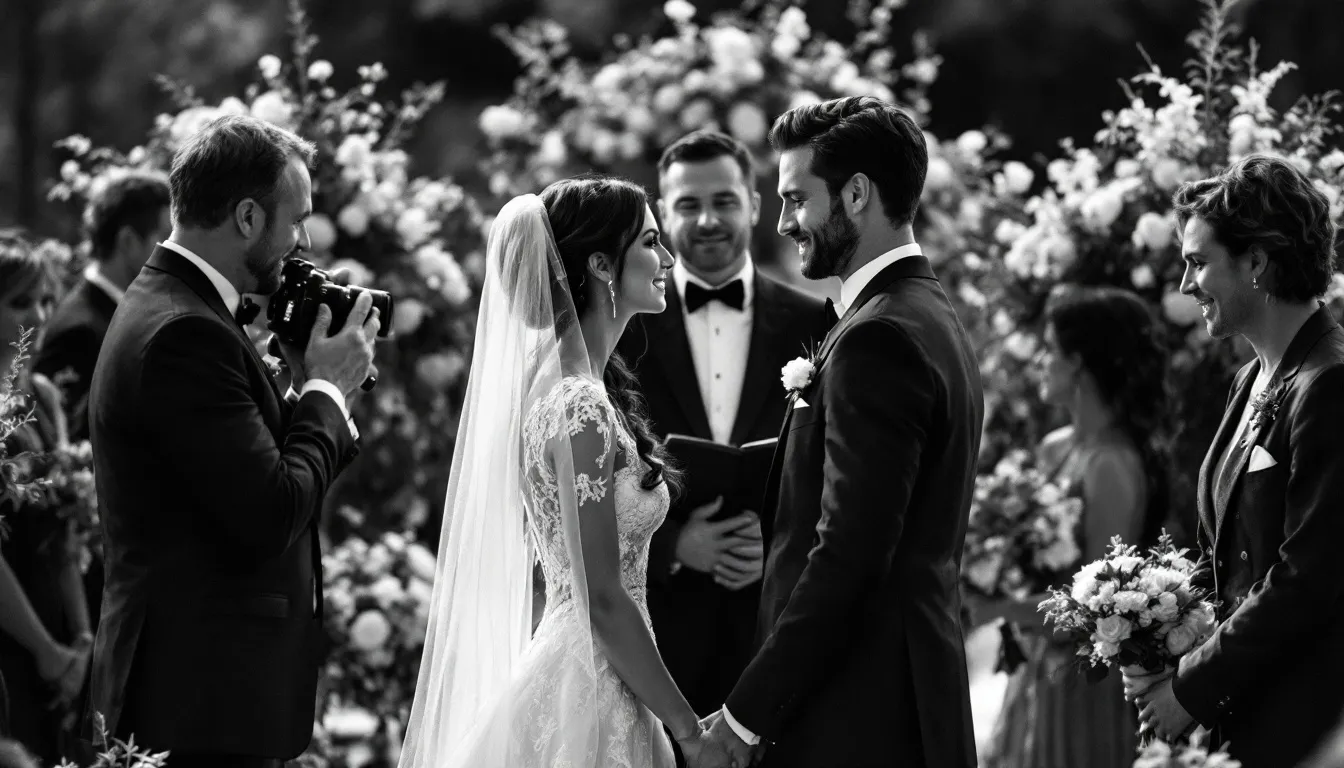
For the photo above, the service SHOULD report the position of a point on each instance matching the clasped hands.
(730, 550)
(1159, 711)
(716, 745)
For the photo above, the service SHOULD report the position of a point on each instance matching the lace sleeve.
(588, 421)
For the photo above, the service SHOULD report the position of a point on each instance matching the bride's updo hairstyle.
(601, 214)
(1117, 340)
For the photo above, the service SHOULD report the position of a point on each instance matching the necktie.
(246, 312)
(732, 295)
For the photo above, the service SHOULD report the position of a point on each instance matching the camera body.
(292, 310)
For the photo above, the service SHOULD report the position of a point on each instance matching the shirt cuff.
(329, 389)
(742, 733)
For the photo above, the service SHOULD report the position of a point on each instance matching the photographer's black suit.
(210, 486)
(705, 631)
(862, 661)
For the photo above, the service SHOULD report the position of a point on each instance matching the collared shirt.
(851, 288)
(720, 338)
(94, 274)
(231, 299)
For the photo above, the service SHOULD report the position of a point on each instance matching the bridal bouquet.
(1159, 754)
(70, 492)
(1021, 537)
(1138, 612)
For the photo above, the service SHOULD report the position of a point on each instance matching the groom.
(210, 482)
(861, 660)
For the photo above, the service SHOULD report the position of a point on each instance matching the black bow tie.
(733, 294)
(246, 312)
(832, 314)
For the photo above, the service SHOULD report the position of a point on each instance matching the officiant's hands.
(731, 549)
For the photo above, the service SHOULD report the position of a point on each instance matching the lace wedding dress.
(531, 717)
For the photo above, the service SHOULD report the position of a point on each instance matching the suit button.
(1244, 556)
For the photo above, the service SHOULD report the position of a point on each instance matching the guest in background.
(126, 216)
(709, 367)
(46, 638)
(1104, 363)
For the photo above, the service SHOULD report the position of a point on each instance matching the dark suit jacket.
(1272, 676)
(71, 340)
(862, 662)
(705, 631)
(210, 486)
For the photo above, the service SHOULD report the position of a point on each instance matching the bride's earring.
(611, 288)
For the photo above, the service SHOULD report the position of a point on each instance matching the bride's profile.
(555, 463)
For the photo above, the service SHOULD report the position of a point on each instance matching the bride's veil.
(480, 620)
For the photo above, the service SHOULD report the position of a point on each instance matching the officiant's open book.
(738, 473)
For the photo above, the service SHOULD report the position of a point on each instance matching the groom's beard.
(833, 245)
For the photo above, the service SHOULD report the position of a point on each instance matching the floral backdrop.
(1001, 234)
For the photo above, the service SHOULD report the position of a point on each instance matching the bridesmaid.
(1259, 247)
(44, 619)
(1103, 364)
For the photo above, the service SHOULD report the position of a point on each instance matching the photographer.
(210, 481)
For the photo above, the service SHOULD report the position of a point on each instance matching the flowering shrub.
(1021, 535)
(17, 485)
(735, 72)
(1106, 214)
(1131, 611)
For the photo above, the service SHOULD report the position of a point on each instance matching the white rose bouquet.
(1160, 754)
(1021, 536)
(1139, 613)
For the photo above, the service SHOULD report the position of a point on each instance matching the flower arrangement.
(736, 72)
(1022, 533)
(1138, 612)
(118, 753)
(17, 485)
(69, 492)
(1159, 754)
(421, 239)
(1105, 215)
(376, 611)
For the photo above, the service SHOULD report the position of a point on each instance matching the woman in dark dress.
(44, 621)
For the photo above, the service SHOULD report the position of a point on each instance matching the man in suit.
(210, 481)
(862, 661)
(126, 215)
(1259, 247)
(709, 367)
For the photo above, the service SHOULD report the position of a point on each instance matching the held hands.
(724, 739)
(64, 670)
(1159, 711)
(729, 549)
(700, 752)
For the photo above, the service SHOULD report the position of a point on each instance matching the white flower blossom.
(350, 723)
(320, 71)
(747, 123)
(502, 122)
(321, 232)
(353, 220)
(972, 142)
(679, 11)
(1017, 177)
(370, 631)
(407, 315)
(1153, 231)
(797, 374)
(272, 107)
(270, 66)
(1142, 277)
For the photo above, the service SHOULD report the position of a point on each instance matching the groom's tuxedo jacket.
(209, 485)
(1271, 520)
(862, 660)
(705, 632)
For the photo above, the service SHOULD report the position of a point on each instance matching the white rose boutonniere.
(797, 374)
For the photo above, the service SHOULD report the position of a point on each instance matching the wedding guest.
(1105, 366)
(210, 480)
(709, 367)
(126, 215)
(44, 645)
(1259, 248)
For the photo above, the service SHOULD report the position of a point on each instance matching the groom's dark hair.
(229, 160)
(861, 134)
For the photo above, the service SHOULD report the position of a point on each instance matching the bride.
(554, 462)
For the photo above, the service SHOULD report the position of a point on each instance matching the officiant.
(709, 367)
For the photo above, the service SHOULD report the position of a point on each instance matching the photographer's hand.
(292, 355)
(345, 358)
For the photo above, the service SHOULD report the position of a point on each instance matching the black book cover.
(737, 473)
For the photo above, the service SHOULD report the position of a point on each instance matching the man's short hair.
(231, 159)
(124, 198)
(702, 146)
(861, 134)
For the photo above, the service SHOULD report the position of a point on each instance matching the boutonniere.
(797, 374)
(1266, 406)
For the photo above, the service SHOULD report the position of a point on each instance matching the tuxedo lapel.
(767, 332)
(1209, 511)
(171, 262)
(671, 351)
(910, 266)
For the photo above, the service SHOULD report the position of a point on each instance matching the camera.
(292, 310)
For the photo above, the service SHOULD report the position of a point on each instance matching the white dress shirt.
(720, 338)
(94, 274)
(849, 293)
(851, 288)
(232, 299)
